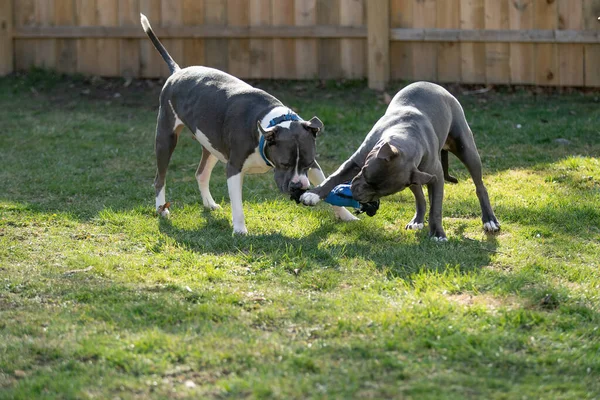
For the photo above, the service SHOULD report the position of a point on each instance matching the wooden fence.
(539, 42)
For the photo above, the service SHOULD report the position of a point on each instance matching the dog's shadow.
(394, 252)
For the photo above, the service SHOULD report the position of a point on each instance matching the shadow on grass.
(388, 251)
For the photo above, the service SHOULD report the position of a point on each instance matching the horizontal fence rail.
(532, 42)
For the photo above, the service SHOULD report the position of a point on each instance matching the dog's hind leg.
(203, 177)
(447, 176)
(466, 151)
(168, 128)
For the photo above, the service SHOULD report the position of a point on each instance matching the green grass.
(304, 306)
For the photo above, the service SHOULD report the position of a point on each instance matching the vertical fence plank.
(425, 54)
(239, 48)
(284, 55)
(306, 49)
(45, 55)
(129, 49)
(87, 52)
(546, 55)
(66, 49)
(108, 49)
(216, 51)
(378, 43)
(150, 60)
(591, 12)
(172, 15)
(570, 56)
(261, 50)
(448, 60)
(472, 54)
(193, 48)
(352, 51)
(6, 39)
(24, 13)
(497, 69)
(522, 62)
(328, 13)
(401, 53)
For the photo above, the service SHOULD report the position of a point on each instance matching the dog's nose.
(295, 185)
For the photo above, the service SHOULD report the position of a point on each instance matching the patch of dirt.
(491, 302)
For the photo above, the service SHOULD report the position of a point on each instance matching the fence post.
(378, 43)
(6, 38)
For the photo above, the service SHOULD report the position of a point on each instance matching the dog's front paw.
(412, 225)
(343, 214)
(491, 226)
(240, 230)
(439, 238)
(163, 210)
(309, 199)
(212, 206)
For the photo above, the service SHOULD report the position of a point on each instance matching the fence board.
(425, 54)
(193, 49)
(352, 51)
(150, 60)
(401, 53)
(172, 15)
(66, 49)
(571, 56)
(378, 47)
(306, 49)
(24, 14)
(261, 50)
(546, 55)
(522, 63)
(497, 68)
(6, 40)
(108, 49)
(216, 51)
(129, 49)
(284, 54)
(591, 11)
(87, 54)
(239, 50)
(472, 54)
(45, 54)
(328, 13)
(448, 60)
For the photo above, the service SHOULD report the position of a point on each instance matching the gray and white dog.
(244, 127)
(408, 147)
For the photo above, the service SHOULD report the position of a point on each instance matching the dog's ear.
(270, 134)
(314, 125)
(387, 152)
(421, 178)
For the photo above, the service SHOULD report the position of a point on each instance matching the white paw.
(163, 210)
(414, 226)
(309, 199)
(212, 206)
(491, 226)
(343, 214)
(240, 230)
(439, 239)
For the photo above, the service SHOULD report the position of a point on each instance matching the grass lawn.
(99, 298)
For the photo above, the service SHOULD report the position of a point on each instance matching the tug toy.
(341, 196)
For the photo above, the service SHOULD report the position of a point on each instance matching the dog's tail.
(173, 67)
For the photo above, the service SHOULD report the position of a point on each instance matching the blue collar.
(290, 116)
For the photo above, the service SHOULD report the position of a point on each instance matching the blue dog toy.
(341, 196)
